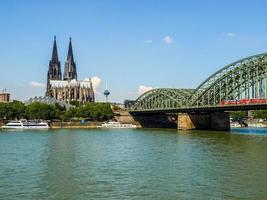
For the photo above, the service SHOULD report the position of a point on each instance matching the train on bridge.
(243, 102)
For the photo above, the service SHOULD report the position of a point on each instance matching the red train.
(243, 102)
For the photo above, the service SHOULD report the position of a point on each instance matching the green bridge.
(241, 85)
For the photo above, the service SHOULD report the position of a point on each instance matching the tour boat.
(116, 125)
(235, 125)
(260, 125)
(25, 125)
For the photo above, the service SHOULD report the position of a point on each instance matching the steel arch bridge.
(243, 79)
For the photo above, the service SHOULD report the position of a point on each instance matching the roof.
(48, 100)
(72, 83)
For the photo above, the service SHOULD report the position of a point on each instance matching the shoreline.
(72, 125)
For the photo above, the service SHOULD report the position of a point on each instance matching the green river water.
(133, 164)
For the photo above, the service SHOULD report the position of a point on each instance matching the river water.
(133, 164)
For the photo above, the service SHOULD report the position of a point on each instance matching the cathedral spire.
(54, 52)
(54, 68)
(70, 52)
(70, 66)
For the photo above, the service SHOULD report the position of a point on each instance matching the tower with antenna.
(106, 92)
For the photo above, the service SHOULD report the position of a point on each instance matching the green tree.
(95, 111)
(5, 111)
(259, 114)
(75, 103)
(12, 110)
(18, 110)
(38, 110)
(238, 115)
(71, 113)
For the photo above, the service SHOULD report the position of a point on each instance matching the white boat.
(260, 125)
(116, 125)
(25, 125)
(235, 125)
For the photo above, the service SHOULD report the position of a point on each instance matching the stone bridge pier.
(184, 121)
(156, 120)
(206, 121)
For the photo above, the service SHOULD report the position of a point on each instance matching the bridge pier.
(155, 120)
(185, 121)
(205, 121)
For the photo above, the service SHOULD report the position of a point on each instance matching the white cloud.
(168, 40)
(37, 84)
(148, 41)
(142, 89)
(96, 82)
(230, 34)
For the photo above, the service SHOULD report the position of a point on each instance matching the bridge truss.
(243, 79)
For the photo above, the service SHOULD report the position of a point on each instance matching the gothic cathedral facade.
(67, 88)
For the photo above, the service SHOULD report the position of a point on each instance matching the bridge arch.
(162, 98)
(245, 78)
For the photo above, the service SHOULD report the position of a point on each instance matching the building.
(48, 100)
(4, 97)
(128, 103)
(69, 88)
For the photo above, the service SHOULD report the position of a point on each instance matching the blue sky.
(132, 45)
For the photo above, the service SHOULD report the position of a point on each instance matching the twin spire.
(70, 53)
(70, 66)
(54, 53)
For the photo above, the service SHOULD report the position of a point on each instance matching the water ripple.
(133, 164)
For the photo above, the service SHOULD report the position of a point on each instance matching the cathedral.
(67, 88)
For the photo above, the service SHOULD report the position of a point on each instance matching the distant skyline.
(131, 45)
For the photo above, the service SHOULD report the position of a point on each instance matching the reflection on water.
(250, 131)
(133, 164)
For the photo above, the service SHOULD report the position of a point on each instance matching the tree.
(95, 111)
(5, 111)
(238, 115)
(38, 110)
(75, 103)
(18, 110)
(259, 114)
(71, 113)
(12, 110)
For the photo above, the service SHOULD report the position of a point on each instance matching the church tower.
(70, 66)
(69, 89)
(54, 69)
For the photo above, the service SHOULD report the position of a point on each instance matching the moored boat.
(116, 125)
(235, 125)
(23, 124)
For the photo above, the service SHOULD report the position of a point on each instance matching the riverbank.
(57, 125)
(78, 125)
(73, 125)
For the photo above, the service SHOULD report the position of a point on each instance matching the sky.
(130, 46)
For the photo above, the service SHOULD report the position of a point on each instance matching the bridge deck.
(204, 109)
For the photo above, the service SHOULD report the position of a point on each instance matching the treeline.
(256, 114)
(36, 110)
(259, 114)
(90, 111)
